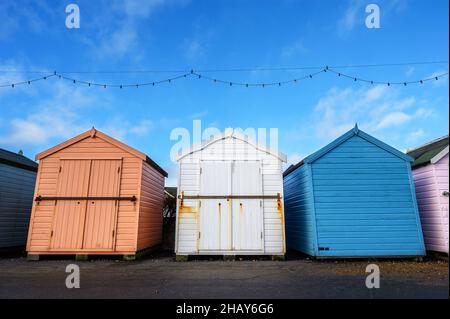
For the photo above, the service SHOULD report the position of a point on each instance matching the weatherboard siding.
(16, 198)
(364, 203)
(229, 150)
(46, 185)
(430, 183)
(299, 211)
(151, 208)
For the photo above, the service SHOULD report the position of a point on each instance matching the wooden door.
(68, 220)
(215, 215)
(99, 229)
(247, 212)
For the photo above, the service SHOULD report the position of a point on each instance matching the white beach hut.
(230, 195)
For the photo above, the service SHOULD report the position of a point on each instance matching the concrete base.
(278, 257)
(129, 257)
(229, 257)
(181, 258)
(438, 255)
(81, 257)
(148, 251)
(31, 257)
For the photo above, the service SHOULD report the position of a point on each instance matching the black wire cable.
(27, 81)
(249, 84)
(136, 85)
(199, 75)
(404, 83)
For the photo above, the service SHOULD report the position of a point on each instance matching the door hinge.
(199, 203)
(260, 203)
(199, 235)
(113, 232)
(200, 170)
(261, 235)
(60, 168)
(51, 233)
(118, 169)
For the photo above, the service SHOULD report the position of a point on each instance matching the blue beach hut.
(353, 198)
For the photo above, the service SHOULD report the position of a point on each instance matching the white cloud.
(142, 128)
(193, 48)
(416, 135)
(348, 21)
(375, 109)
(354, 14)
(64, 112)
(394, 118)
(293, 49)
(140, 8)
(118, 43)
(443, 81)
(120, 34)
(410, 71)
(27, 15)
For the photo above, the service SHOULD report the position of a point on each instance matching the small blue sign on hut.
(353, 198)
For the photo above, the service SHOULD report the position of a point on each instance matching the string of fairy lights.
(201, 75)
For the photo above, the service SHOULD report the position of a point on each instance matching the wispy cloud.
(375, 109)
(293, 49)
(121, 34)
(64, 111)
(443, 81)
(30, 16)
(194, 47)
(415, 136)
(354, 14)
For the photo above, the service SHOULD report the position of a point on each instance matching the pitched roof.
(231, 133)
(353, 132)
(430, 152)
(94, 132)
(17, 160)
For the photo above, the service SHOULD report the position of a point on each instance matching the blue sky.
(219, 34)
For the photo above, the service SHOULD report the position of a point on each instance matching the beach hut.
(353, 198)
(95, 195)
(229, 203)
(430, 172)
(17, 177)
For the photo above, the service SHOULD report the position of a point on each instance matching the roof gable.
(90, 134)
(356, 132)
(17, 160)
(95, 133)
(440, 155)
(228, 134)
(351, 133)
(431, 152)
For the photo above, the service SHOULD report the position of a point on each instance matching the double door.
(85, 210)
(231, 217)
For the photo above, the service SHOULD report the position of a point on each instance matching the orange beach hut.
(95, 195)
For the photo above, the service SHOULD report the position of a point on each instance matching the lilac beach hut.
(430, 172)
